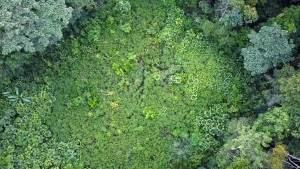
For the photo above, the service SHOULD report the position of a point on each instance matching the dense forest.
(149, 84)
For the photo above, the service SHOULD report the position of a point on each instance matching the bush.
(26, 142)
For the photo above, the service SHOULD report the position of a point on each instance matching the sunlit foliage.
(148, 84)
(26, 142)
(136, 93)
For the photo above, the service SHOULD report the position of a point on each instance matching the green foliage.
(92, 100)
(27, 142)
(268, 48)
(235, 13)
(126, 28)
(247, 145)
(228, 41)
(284, 73)
(255, 2)
(288, 19)
(17, 97)
(205, 7)
(122, 6)
(151, 85)
(185, 4)
(28, 26)
(212, 121)
(93, 34)
(13, 66)
(31, 25)
(233, 18)
(129, 95)
(239, 163)
(273, 123)
(82, 10)
(290, 89)
(14, 62)
(293, 146)
(279, 154)
(89, 4)
(5, 78)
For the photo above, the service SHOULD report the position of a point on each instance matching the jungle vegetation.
(149, 84)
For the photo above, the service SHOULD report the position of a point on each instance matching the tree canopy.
(31, 25)
(176, 84)
(269, 47)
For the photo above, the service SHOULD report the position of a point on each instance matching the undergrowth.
(137, 87)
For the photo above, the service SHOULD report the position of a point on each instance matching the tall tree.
(268, 48)
(235, 13)
(290, 90)
(274, 123)
(244, 148)
(31, 25)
